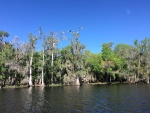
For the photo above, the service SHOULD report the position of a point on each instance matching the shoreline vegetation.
(21, 65)
(60, 85)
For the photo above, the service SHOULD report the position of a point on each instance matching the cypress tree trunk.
(52, 68)
(110, 78)
(147, 78)
(52, 63)
(30, 77)
(135, 78)
(139, 63)
(43, 70)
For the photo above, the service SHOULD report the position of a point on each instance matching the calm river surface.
(77, 99)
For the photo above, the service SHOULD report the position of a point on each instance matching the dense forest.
(22, 65)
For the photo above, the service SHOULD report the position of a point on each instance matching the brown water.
(77, 99)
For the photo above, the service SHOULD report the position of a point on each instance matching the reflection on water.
(80, 99)
(28, 97)
(35, 97)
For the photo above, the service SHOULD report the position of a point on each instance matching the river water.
(77, 99)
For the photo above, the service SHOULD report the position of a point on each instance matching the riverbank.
(105, 83)
(59, 85)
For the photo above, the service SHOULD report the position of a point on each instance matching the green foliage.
(123, 63)
(4, 34)
(6, 54)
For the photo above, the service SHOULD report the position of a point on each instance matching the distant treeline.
(21, 64)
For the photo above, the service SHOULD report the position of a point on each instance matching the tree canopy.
(21, 64)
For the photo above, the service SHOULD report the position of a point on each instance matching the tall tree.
(6, 54)
(77, 50)
(145, 60)
(4, 48)
(30, 50)
(50, 48)
(122, 51)
(16, 63)
(43, 56)
(108, 63)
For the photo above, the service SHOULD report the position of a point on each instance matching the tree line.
(22, 64)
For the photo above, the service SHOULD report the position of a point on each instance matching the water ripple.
(74, 99)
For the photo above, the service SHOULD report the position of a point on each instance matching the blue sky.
(118, 21)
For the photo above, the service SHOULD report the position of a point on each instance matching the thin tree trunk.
(30, 77)
(148, 80)
(147, 77)
(110, 78)
(43, 70)
(52, 63)
(52, 67)
(135, 78)
(9, 80)
(138, 67)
